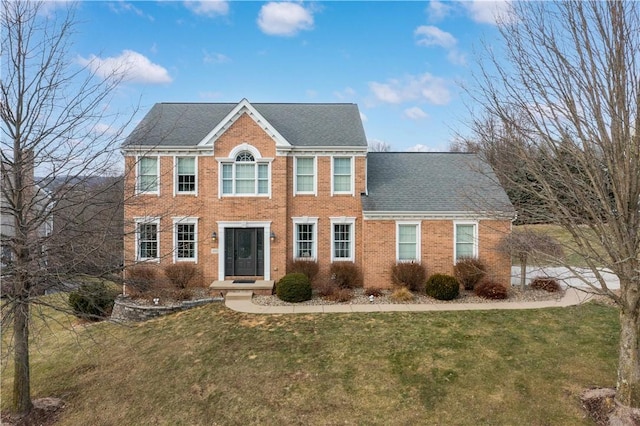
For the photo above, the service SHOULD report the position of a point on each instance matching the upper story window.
(342, 176)
(148, 181)
(186, 175)
(305, 175)
(245, 176)
(466, 240)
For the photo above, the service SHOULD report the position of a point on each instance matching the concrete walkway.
(241, 301)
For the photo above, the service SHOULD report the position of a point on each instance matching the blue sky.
(401, 62)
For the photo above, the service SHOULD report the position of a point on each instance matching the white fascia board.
(243, 107)
(463, 215)
(356, 151)
(142, 150)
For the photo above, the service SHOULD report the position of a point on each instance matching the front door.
(244, 251)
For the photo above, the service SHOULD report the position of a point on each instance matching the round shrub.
(409, 274)
(469, 272)
(545, 283)
(294, 288)
(92, 301)
(488, 289)
(442, 287)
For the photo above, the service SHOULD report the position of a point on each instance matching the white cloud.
(488, 12)
(126, 7)
(208, 8)
(423, 87)
(363, 117)
(131, 66)
(104, 129)
(214, 58)
(438, 10)
(456, 57)
(415, 113)
(284, 19)
(420, 148)
(428, 35)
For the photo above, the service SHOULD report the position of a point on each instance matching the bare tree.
(379, 146)
(568, 84)
(57, 136)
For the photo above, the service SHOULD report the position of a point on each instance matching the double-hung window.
(305, 176)
(342, 175)
(245, 176)
(342, 239)
(185, 175)
(305, 231)
(147, 240)
(148, 175)
(408, 242)
(466, 239)
(185, 239)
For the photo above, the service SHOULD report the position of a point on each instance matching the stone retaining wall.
(125, 310)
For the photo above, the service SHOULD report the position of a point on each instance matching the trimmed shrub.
(182, 275)
(546, 283)
(340, 295)
(294, 288)
(489, 289)
(308, 267)
(140, 278)
(346, 275)
(469, 272)
(92, 301)
(442, 287)
(402, 294)
(409, 274)
(374, 291)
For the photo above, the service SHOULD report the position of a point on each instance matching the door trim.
(223, 225)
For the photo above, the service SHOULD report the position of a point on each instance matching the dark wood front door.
(244, 252)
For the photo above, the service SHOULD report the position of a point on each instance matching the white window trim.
(138, 163)
(418, 226)
(145, 220)
(305, 221)
(353, 162)
(184, 221)
(352, 231)
(258, 160)
(295, 176)
(455, 238)
(175, 175)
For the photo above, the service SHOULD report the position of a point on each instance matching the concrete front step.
(239, 295)
(262, 287)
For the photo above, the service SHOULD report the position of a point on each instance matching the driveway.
(565, 276)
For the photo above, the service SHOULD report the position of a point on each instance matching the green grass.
(211, 365)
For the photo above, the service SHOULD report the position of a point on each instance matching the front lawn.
(211, 365)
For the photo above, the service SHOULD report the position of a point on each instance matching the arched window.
(245, 176)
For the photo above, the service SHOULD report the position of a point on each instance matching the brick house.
(241, 189)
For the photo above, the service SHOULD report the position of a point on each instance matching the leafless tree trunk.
(568, 84)
(56, 138)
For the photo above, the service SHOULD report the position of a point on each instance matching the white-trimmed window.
(305, 237)
(408, 241)
(186, 175)
(465, 240)
(342, 175)
(305, 175)
(343, 239)
(148, 239)
(245, 176)
(148, 181)
(185, 239)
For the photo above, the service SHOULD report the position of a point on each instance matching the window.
(148, 174)
(305, 179)
(245, 176)
(305, 237)
(408, 242)
(342, 241)
(186, 175)
(147, 234)
(185, 241)
(342, 175)
(465, 240)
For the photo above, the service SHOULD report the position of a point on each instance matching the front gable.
(244, 107)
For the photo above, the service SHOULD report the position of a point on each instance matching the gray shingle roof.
(304, 125)
(432, 182)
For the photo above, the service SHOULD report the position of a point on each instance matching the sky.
(402, 62)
